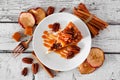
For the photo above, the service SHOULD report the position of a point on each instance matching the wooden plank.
(110, 70)
(10, 9)
(108, 10)
(11, 70)
(107, 39)
(11, 67)
(6, 32)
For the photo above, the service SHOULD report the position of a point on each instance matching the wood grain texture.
(110, 70)
(11, 70)
(108, 10)
(10, 9)
(6, 32)
(108, 39)
(11, 67)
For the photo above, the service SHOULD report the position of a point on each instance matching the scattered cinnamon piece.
(63, 9)
(16, 36)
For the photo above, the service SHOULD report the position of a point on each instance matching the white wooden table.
(108, 40)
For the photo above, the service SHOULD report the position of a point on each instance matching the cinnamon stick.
(93, 30)
(94, 21)
(44, 67)
(83, 8)
(94, 24)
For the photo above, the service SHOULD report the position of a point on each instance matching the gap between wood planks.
(10, 51)
(28, 52)
(111, 23)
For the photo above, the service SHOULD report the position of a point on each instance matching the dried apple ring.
(96, 57)
(86, 68)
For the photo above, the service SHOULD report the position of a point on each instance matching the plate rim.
(50, 16)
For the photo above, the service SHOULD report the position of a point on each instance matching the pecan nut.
(50, 10)
(24, 71)
(56, 27)
(27, 60)
(35, 67)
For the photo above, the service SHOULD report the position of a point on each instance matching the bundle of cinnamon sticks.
(94, 23)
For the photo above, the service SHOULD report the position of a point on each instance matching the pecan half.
(27, 60)
(35, 67)
(50, 10)
(24, 71)
(56, 27)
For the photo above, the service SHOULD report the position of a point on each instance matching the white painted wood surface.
(10, 9)
(108, 10)
(6, 32)
(108, 40)
(11, 67)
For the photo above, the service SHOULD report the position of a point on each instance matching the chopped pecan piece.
(50, 10)
(56, 46)
(56, 27)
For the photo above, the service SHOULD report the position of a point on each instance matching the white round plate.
(53, 60)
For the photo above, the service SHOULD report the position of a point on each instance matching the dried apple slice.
(96, 57)
(38, 13)
(16, 36)
(86, 68)
(28, 31)
(26, 19)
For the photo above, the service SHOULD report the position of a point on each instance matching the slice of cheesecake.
(70, 35)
